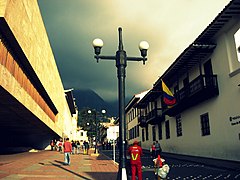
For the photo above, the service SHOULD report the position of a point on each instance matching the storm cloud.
(168, 26)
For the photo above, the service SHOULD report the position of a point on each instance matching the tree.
(83, 118)
(89, 119)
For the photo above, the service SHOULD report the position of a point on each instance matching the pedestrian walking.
(135, 153)
(153, 150)
(52, 144)
(78, 147)
(158, 148)
(74, 147)
(67, 151)
(59, 145)
(86, 147)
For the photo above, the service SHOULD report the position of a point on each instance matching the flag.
(168, 97)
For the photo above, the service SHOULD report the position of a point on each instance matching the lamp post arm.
(136, 59)
(114, 58)
(105, 57)
(143, 59)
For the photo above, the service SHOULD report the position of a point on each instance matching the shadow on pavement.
(103, 175)
(59, 166)
(60, 162)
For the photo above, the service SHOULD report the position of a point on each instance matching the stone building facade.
(33, 105)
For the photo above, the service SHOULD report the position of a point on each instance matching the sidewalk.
(49, 165)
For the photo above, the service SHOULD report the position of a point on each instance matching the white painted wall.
(112, 132)
(224, 109)
(224, 139)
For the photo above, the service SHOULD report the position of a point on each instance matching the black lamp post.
(121, 63)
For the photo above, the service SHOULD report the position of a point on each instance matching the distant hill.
(87, 98)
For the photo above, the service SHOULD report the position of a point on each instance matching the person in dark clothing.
(86, 147)
(78, 147)
(52, 144)
(158, 148)
(153, 149)
(74, 147)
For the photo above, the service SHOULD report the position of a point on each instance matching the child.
(161, 169)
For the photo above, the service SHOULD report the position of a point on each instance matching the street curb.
(115, 163)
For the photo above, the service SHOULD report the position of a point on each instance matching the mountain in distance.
(87, 98)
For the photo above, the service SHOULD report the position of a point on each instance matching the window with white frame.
(179, 125)
(153, 133)
(205, 126)
(143, 135)
(167, 127)
(137, 131)
(237, 42)
(147, 134)
(160, 131)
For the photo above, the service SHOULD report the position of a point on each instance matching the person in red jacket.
(135, 153)
(67, 150)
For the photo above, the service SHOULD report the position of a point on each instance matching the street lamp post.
(96, 121)
(121, 63)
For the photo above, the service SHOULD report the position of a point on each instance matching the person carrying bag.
(161, 168)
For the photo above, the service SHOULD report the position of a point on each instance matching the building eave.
(203, 45)
(191, 56)
(70, 100)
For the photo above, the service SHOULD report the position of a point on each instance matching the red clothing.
(67, 146)
(135, 153)
(153, 147)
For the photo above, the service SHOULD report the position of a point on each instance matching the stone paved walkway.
(49, 165)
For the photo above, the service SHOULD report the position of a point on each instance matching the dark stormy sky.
(169, 26)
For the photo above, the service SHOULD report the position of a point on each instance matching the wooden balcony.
(200, 89)
(142, 120)
(155, 116)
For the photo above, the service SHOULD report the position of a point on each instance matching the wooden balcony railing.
(200, 89)
(142, 120)
(155, 116)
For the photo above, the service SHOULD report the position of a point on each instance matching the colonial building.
(70, 127)
(133, 118)
(205, 80)
(109, 131)
(81, 136)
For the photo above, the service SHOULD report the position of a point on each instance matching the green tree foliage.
(89, 120)
(84, 119)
